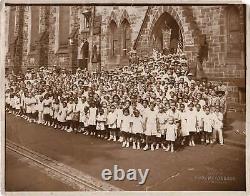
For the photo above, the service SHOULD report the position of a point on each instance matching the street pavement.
(199, 168)
(22, 176)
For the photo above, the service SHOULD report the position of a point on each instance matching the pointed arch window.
(113, 39)
(126, 37)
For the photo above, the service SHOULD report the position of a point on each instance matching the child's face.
(207, 110)
(144, 104)
(127, 104)
(126, 113)
(161, 110)
(83, 99)
(112, 109)
(104, 105)
(137, 114)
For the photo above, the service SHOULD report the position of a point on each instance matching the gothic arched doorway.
(85, 55)
(166, 36)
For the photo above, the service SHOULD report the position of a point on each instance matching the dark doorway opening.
(166, 34)
(85, 56)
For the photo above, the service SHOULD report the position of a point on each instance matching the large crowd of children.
(150, 105)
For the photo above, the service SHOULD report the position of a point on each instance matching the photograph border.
(109, 2)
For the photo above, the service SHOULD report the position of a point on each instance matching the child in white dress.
(92, 118)
(218, 124)
(17, 104)
(75, 116)
(7, 100)
(81, 105)
(40, 110)
(46, 109)
(28, 107)
(208, 125)
(55, 108)
(137, 129)
(112, 123)
(184, 132)
(85, 120)
(100, 122)
(62, 116)
(126, 123)
(171, 134)
(119, 113)
(69, 117)
(200, 123)
(191, 123)
(161, 127)
(150, 126)
(33, 103)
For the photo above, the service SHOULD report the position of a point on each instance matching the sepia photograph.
(125, 97)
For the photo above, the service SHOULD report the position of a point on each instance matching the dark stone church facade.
(101, 37)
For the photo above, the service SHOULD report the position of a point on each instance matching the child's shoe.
(138, 146)
(152, 147)
(168, 148)
(145, 148)
(134, 146)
